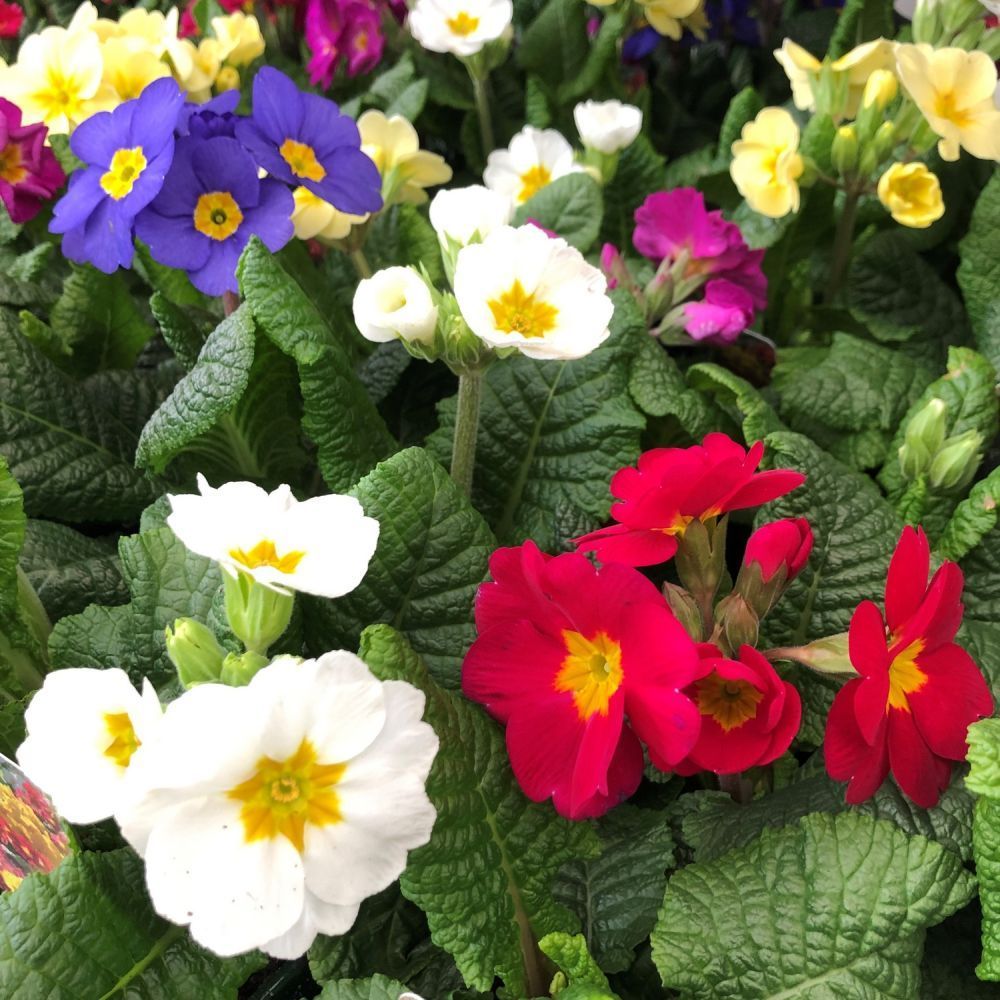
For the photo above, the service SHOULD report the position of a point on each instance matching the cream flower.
(461, 27)
(393, 146)
(149, 29)
(320, 546)
(801, 67)
(395, 303)
(666, 16)
(462, 214)
(266, 814)
(83, 728)
(912, 194)
(521, 288)
(314, 218)
(954, 91)
(239, 38)
(534, 158)
(196, 69)
(607, 126)
(766, 163)
(129, 70)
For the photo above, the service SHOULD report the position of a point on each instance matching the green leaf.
(986, 847)
(485, 878)
(432, 554)
(570, 206)
(350, 436)
(603, 53)
(376, 988)
(88, 930)
(746, 405)
(166, 582)
(984, 758)
(861, 21)
(183, 336)
(555, 45)
(743, 108)
(974, 518)
(659, 388)
(551, 436)
(400, 237)
(641, 169)
(569, 952)
(616, 895)
(979, 632)
(979, 272)
(381, 371)
(70, 444)
(68, 570)
(835, 906)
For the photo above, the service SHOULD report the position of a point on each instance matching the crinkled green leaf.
(861, 21)
(166, 582)
(984, 758)
(339, 417)
(403, 236)
(986, 847)
(382, 369)
(981, 595)
(744, 404)
(616, 896)
(743, 108)
(551, 436)
(979, 272)
(432, 554)
(485, 879)
(570, 206)
(835, 906)
(88, 930)
(973, 519)
(569, 952)
(178, 328)
(70, 444)
(376, 988)
(554, 46)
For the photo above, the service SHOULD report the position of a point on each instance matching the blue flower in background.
(126, 154)
(211, 203)
(215, 117)
(306, 141)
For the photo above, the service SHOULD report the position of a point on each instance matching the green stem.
(463, 454)
(360, 262)
(480, 88)
(843, 241)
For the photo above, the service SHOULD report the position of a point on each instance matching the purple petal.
(271, 219)
(155, 116)
(352, 182)
(75, 206)
(218, 273)
(277, 104)
(224, 165)
(173, 240)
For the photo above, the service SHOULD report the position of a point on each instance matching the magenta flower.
(29, 171)
(362, 39)
(722, 315)
(344, 30)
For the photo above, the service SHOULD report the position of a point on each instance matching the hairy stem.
(463, 454)
(360, 262)
(480, 87)
(843, 241)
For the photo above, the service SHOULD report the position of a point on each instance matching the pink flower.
(362, 38)
(344, 29)
(29, 171)
(324, 28)
(724, 313)
(188, 26)
(11, 19)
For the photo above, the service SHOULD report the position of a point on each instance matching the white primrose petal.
(607, 126)
(317, 918)
(534, 158)
(395, 303)
(460, 213)
(461, 27)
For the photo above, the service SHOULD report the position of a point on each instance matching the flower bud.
(956, 463)
(239, 669)
(955, 14)
(685, 609)
(928, 426)
(885, 140)
(740, 624)
(258, 615)
(395, 304)
(926, 22)
(607, 126)
(228, 79)
(880, 89)
(844, 151)
(194, 651)
(970, 36)
(775, 555)
(829, 655)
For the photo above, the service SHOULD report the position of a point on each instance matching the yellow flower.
(394, 147)
(127, 70)
(666, 15)
(766, 163)
(954, 91)
(196, 69)
(57, 79)
(314, 218)
(801, 68)
(912, 194)
(239, 38)
(149, 29)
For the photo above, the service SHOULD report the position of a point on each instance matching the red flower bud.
(781, 544)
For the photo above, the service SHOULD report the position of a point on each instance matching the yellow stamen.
(905, 676)
(946, 106)
(592, 670)
(301, 160)
(282, 796)
(217, 215)
(264, 553)
(516, 311)
(12, 168)
(730, 702)
(126, 167)
(533, 180)
(124, 742)
(463, 24)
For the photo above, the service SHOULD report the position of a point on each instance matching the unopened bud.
(844, 151)
(775, 554)
(970, 36)
(740, 624)
(926, 22)
(956, 463)
(194, 651)
(955, 14)
(238, 669)
(685, 609)
(258, 615)
(885, 140)
(880, 89)
(829, 655)
(228, 79)
(928, 426)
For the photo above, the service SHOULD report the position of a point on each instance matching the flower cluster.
(347, 32)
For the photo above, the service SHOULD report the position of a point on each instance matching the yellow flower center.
(282, 796)
(592, 671)
(361, 41)
(124, 742)
(730, 702)
(517, 311)
(301, 160)
(905, 676)
(217, 215)
(59, 95)
(534, 180)
(264, 553)
(946, 106)
(126, 167)
(12, 169)
(462, 24)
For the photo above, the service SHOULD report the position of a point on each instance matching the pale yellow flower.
(239, 38)
(766, 163)
(954, 91)
(858, 65)
(801, 67)
(912, 194)
(149, 29)
(394, 147)
(196, 69)
(314, 218)
(666, 15)
(128, 70)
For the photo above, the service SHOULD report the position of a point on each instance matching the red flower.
(565, 652)
(918, 691)
(749, 714)
(11, 19)
(784, 544)
(673, 487)
(29, 170)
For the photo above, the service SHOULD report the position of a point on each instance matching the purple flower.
(362, 38)
(725, 312)
(212, 202)
(126, 154)
(29, 171)
(304, 140)
(210, 116)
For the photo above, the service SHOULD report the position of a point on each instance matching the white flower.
(267, 813)
(534, 158)
(395, 303)
(607, 126)
(461, 27)
(83, 728)
(320, 546)
(460, 213)
(521, 288)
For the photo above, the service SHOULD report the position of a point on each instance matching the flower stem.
(360, 262)
(230, 302)
(843, 241)
(463, 454)
(480, 88)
